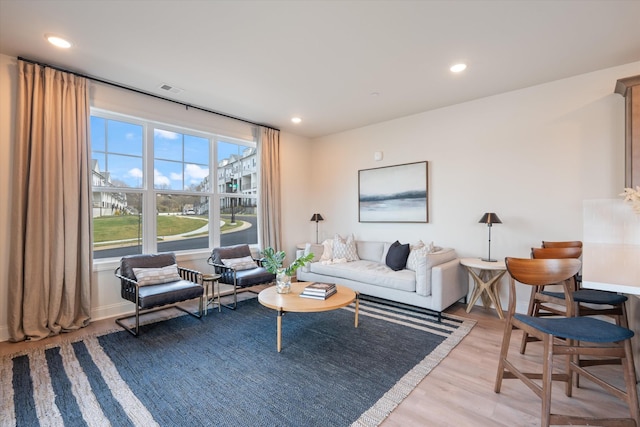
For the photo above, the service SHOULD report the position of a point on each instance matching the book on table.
(318, 290)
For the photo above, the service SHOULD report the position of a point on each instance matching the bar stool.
(579, 336)
(211, 280)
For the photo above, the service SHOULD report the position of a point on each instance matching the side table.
(211, 280)
(486, 282)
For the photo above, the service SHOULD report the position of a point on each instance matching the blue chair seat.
(591, 296)
(578, 328)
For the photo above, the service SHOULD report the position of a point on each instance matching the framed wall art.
(393, 193)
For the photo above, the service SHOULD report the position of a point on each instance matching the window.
(153, 192)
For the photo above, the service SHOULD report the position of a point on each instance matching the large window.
(153, 189)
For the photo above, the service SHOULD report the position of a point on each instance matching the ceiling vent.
(170, 88)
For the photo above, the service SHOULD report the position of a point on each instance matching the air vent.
(170, 88)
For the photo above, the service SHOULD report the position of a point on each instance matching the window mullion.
(149, 225)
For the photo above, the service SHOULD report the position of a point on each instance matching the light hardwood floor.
(459, 391)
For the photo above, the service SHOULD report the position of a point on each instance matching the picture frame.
(396, 193)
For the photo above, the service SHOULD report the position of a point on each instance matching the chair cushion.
(230, 252)
(591, 296)
(129, 262)
(244, 278)
(578, 328)
(244, 263)
(168, 293)
(155, 276)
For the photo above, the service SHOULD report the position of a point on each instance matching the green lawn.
(110, 228)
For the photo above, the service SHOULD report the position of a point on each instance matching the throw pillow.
(156, 276)
(345, 248)
(327, 253)
(239, 264)
(397, 256)
(418, 251)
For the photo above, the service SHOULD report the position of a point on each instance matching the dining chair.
(589, 302)
(562, 244)
(579, 335)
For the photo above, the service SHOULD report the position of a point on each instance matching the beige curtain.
(51, 256)
(269, 203)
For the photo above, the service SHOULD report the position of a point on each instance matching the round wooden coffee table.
(293, 302)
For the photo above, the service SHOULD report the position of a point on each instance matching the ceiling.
(324, 61)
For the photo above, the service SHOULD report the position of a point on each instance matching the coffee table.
(294, 303)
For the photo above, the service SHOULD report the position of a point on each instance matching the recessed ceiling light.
(458, 68)
(58, 41)
(296, 120)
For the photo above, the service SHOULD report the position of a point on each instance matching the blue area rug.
(224, 370)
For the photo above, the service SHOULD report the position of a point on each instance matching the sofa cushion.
(345, 248)
(418, 250)
(397, 256)
(370, 251)
(155, 276)
(370, 272)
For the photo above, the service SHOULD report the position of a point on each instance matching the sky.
(180, 160)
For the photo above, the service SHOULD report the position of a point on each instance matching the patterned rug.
(224, 370)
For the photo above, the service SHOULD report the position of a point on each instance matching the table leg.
(219, 301)
(486, 286)
(357, 308)
(279, 330)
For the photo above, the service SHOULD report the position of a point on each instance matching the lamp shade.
(490, 218)
(317, 217)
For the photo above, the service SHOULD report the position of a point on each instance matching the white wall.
(532, 156)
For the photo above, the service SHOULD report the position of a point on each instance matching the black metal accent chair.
(238, 278)
(569, 336)
(151, 297)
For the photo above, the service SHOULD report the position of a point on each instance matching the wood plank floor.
(459, 391)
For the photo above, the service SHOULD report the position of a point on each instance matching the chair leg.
(547, 375)
(630, 381)
(531, 311)
(504, 350)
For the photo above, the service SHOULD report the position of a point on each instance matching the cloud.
(195, 172)
(135, 173)
(165, 134)
(175, 176)
(159, 179)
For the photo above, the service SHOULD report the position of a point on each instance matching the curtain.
(269, 199)
(51, 256)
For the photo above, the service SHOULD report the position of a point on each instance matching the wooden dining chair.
(589, 302)
(579, 335)
(562, 244)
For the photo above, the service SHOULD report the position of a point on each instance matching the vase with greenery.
(273, 262)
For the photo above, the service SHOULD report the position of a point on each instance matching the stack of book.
(319, 290)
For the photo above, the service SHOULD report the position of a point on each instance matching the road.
(247, 235)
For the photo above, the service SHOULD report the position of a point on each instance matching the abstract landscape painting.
(393, 193)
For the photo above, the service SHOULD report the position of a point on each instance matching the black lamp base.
(489, 260)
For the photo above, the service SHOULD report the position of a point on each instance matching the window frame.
(149, 192)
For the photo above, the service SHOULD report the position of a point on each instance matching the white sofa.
(435, 282)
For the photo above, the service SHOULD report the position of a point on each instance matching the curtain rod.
(121, 86)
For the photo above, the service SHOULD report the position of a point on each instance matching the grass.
(110, 228)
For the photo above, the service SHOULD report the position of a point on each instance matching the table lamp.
(489, 218)
(317, 218)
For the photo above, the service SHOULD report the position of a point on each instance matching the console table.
(486, 282)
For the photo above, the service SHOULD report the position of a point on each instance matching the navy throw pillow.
(397, 256)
